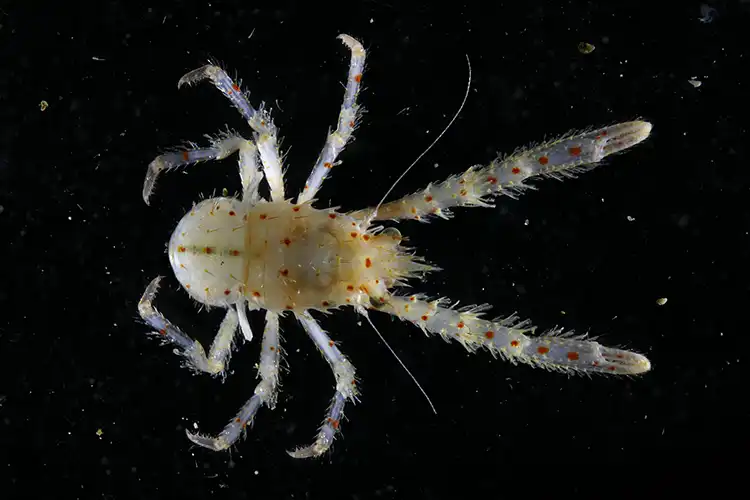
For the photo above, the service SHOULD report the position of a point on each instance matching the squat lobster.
(281, 255)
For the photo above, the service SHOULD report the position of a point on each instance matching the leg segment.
(265, 391)
(345, 388)
(259, 120)
(555, 350)
(565, 157)
(221, 348)
(348, 117)
(247, 332)
(221, 148)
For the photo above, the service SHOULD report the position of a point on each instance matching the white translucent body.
(285, 257)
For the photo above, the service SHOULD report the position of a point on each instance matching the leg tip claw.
(215, 444)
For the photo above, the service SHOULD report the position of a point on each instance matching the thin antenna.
(363, 312)
(468, 88)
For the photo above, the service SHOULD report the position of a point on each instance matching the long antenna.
(363, 312)
(468, 88)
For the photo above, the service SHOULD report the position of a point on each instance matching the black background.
(667, 219)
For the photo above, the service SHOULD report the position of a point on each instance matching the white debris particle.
(695, 83)
(526, 222)
(43, 105)
(99, 433)
(98, 58)
(630, 219)
(372, 20)
(256, 472)
(661, 301)
(195, 426)
(2, 208)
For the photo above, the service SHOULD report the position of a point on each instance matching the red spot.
(542, 350)
(163, 331)
(595, 363)
(296, 209)
(364, 289)
(604, 133)
(620, 356)
(460, 324)
(187, 286)
(543, 160)
(351, 124)
(424, 318)
(263, 216)
(353, 234)
(414, 210)
(358, 77)
(334, 423)
(234, 253)
(428, 198)
(492, 180)
(350, 288)
(516, 170)
(284, 272)
(331, 216)
(326, 303)
(236, 87)
(232, 213)
(573, 356)
(227, 292)
(611, 368)
(462, 181)
(256, 294)
(514, 343)
(368, 262)
(289, 308)
(489, 334)
(328, 165)
(330, 343)
(208, 250)
(413, 298)
(185, 156)
(180, 248)
(238, 420)
(382, 300)
(286, 241)
(366, 237)
(575, 151)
